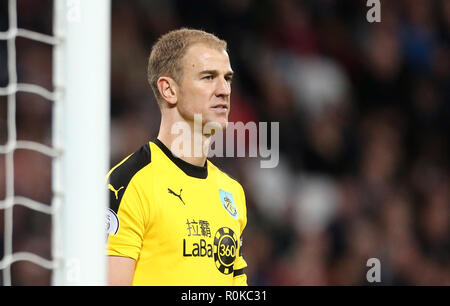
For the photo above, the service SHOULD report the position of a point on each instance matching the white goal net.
(79, 143)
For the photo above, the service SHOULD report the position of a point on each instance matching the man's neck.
(189, 145)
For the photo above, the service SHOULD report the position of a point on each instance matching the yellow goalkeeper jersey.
(182, 223)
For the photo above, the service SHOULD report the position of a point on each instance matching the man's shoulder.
(225, 175)
(122, 173)
(120, 176)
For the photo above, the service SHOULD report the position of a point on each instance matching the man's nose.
(223, 88)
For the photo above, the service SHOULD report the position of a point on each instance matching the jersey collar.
(189, 169)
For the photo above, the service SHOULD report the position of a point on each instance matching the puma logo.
(177, 195)
(116, 192)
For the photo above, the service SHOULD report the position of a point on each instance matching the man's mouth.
(221, 106)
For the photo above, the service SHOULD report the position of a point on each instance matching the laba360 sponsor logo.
(223, 249)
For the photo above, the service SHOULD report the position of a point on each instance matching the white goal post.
(80, 141)
(81, 128)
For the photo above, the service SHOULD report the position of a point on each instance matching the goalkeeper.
(176, 219)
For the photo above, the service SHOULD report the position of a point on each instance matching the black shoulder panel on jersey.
(121, 176)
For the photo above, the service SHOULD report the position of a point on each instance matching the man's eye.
(208, 77)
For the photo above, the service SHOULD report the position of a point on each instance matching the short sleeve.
(127, 242)
(240, 278)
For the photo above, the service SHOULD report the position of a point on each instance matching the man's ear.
(168, 89)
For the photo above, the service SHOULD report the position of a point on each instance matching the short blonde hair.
(167, 52)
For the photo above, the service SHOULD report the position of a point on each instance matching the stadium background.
(364, 118)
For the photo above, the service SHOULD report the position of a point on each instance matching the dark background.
(364, 117)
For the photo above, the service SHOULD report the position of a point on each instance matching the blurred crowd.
(364, 119)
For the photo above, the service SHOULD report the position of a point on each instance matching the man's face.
(206, 85)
